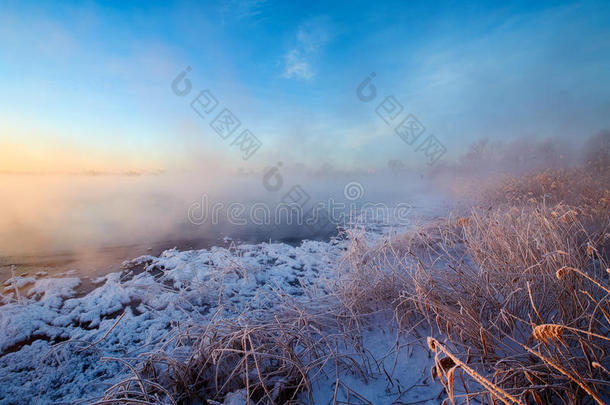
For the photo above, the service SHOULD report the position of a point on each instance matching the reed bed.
(515, 294)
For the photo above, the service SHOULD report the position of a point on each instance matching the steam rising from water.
(51, 213)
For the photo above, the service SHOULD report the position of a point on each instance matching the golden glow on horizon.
(28, 148)
(62, 157)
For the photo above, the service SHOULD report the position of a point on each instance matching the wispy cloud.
(237, 10)
(297, 66)
(311, 37)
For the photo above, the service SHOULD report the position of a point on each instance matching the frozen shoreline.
(46, 337)
(176, 287)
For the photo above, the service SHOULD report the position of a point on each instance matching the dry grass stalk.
(496, 391)
(547, 332)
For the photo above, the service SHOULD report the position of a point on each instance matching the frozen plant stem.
(17, 295)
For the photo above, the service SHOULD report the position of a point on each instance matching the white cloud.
(313, 34)
(311, 37)
(296, 66)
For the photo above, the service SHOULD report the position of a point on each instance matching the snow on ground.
(39, 361)
(52, 341)
(18, 282)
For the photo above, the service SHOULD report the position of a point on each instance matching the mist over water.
(78, 220)
(56, 213)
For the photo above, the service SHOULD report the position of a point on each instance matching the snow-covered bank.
(55, 346)
(42, 340)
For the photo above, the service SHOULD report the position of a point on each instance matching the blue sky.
(86, 85)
